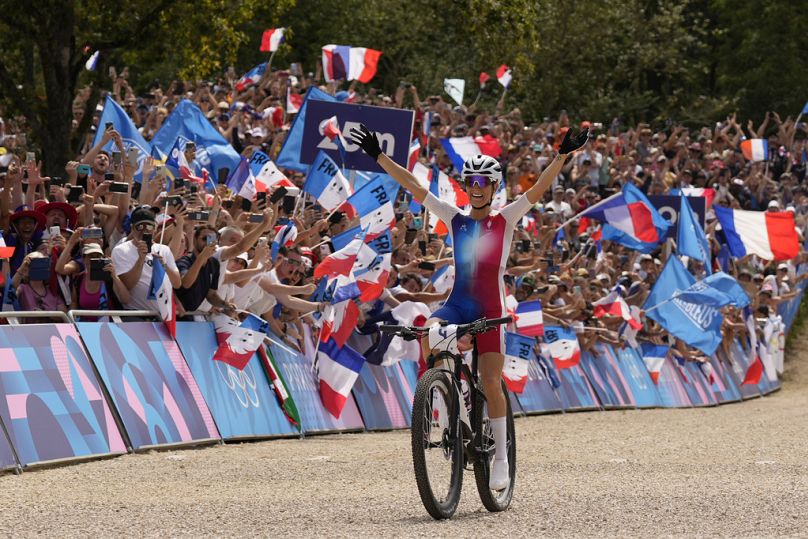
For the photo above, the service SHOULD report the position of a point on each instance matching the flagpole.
(271, 56)
(479, 93)
(163, 231)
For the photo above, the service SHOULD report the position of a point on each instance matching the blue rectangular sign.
(392, 126)
(668, 207)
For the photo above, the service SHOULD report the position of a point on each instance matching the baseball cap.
(142, 215)
(774, 204)
(92, 248)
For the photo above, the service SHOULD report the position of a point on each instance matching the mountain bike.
(450, 425)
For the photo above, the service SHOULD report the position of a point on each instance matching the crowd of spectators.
(220, 260)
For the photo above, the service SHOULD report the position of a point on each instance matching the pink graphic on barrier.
(16, 405)
(176, 415)
(134, 402)
(92, 393)
(8, 361)
(178, 360)
(59, 351)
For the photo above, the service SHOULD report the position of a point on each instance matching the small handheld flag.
(504, 75)
(271, 39)
(755, 149)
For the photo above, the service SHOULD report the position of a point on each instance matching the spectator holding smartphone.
(200, 272)
(92, 294)
(33, 291)
(133, 260)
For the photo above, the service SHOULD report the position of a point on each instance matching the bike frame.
(455, 373)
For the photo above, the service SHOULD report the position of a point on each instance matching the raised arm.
(568, 145)
(369, 142)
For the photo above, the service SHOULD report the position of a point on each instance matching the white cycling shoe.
(500, 475)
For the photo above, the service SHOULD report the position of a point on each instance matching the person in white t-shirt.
(558, 205)
(133, 260)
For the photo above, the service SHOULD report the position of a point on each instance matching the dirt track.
(735, 470)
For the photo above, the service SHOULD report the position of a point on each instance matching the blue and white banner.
(126, 128)
(212, 150)
(697, 324)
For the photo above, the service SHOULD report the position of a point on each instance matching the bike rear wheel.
(493, 500)
(436, 452)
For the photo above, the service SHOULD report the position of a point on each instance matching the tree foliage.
(653, 60)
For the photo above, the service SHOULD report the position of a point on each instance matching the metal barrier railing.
(115, 316)
(12, 316)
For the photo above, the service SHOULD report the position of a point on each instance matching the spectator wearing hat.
(558, 205)
(133, 260)
(90, 294)
(59, 214)
(24, 234)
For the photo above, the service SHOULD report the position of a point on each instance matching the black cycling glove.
(366, 140)
(570, 143)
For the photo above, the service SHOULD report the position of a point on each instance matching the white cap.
(774, 204)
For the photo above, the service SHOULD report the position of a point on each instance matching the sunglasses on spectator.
(140, 227)
(294, 262)
(478, 181)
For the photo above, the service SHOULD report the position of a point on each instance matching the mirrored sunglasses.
(478, 181)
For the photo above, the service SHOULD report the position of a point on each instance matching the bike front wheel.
(493, 500)
(436, 444)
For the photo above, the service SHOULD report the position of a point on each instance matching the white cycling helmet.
(483, 165)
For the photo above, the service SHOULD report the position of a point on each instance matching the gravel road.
(736, 470)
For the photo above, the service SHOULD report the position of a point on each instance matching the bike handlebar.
(478, 326)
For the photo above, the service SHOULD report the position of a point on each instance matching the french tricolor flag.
(341, 62)
(484, 78)
(330, 128)
(267, 174)
(518, 351)
(755, 149)
(341, 262)
(253, 76)
(444, 188)
(162, 293)
(769, 235)
(285, 235)
(242, 181)
(631, 213)
(371, 272)
(237, 342)
(614, 305)
(504, 75)
(415, 150)
(460, 149)
(562, 345)
(529, 319)
(271, 39)
(326, 183)
(339, 321)
(654, 357)
(337, 368)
